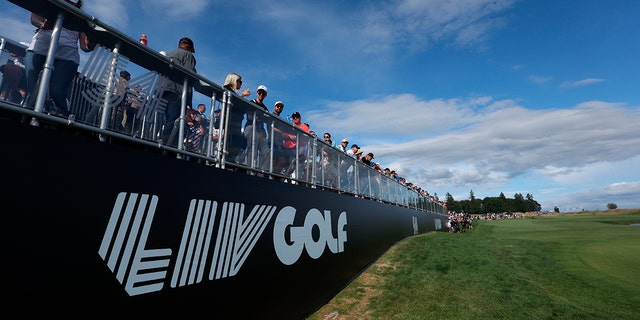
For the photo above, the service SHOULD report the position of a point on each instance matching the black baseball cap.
(189, 42)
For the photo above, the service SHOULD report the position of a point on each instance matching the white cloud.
(418, 24)
(623, 194)
(484, 145)
(581, 83)
(177, 10)
(410, 117)
(594, 173)
(540, 79)
(324, 35)
(117, 12)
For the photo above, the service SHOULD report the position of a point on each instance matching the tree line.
(498, 204)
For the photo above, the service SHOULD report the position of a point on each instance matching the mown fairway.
(582, 266)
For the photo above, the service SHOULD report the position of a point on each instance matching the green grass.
(582, 266)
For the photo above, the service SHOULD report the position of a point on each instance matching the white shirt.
(67, 44)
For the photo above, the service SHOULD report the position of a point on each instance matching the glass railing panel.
(243, 135)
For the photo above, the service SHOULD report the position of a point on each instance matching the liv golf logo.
(203, 252)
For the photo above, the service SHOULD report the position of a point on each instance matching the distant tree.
(531, 205)
(612, 206)
(464, 206)
(452, 205)
(493, 204)
(519, 203)
(474, 206)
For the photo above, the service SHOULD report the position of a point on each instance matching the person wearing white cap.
(343, 145)
(263, 88)
(278, 107)
(256, 136)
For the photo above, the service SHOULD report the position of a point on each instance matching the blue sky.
(512, 96)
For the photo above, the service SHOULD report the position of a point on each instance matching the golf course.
(582, 265)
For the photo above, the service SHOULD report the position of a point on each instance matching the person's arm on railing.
(41, 22)
(85, 44)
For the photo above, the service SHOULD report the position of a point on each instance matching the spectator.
(291, 141)
(202, 109)
(14, 82)
(352, 151)
(172, 91)
(376, 182)
(259, 140)
(216, 128)
(12, 78)
(65, 65)
(358, 154)
(278, 107)
(121, 86)
(367, 159)
(143, 39)
(327, 139)
(135, 99)
(343, 145)
(233, 82)
(202, 116)
(297, 121)
(194, 131)
(347, 165)
(281, 156)
(236, 141)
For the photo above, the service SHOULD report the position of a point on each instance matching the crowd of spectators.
(352, 150)
(357, 152)
(289, 142)
(245, 132)
(460, 222)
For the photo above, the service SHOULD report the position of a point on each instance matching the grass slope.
(582, 266)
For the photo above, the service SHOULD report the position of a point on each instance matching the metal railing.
(97, 101)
